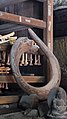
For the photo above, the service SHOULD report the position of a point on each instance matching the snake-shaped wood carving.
(22, 45)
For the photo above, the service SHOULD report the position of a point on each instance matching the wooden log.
(22, 20)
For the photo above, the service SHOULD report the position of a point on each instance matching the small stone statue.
(57, 104)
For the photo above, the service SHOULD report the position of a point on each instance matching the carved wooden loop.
(24, 45)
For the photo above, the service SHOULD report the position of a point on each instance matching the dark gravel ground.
(18, 115)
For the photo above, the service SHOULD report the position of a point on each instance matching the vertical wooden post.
(45, 36)
(49, 33)
(45, 19)
(50, 24)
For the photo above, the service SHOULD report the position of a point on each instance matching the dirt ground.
(18, 115)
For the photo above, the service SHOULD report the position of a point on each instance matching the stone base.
(56, 117)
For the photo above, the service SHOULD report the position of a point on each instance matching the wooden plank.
(60, 23)
(14, 28)
(29, 79)
(60, 29)
(9, 99)
(6, 26)
(4, 3)
(60, 16)
(22, 20)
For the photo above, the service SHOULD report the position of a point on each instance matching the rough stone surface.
(18, 115)
(39, 118)
(43, 108)
(35, 109)
(29, 101)
(58, 105)
(27, 111)
(33, 113)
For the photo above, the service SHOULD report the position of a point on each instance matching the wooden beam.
(44, 18)
(29, 79)
(49, 32)
(50, 25)
(22, 20)
(9, 99)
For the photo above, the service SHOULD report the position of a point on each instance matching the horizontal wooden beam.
(9, 99)
(29, 79)
(22, 20)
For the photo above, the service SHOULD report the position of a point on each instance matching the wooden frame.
(46, 24)
(22, 20)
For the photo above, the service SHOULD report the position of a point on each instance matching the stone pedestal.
(57, 104)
